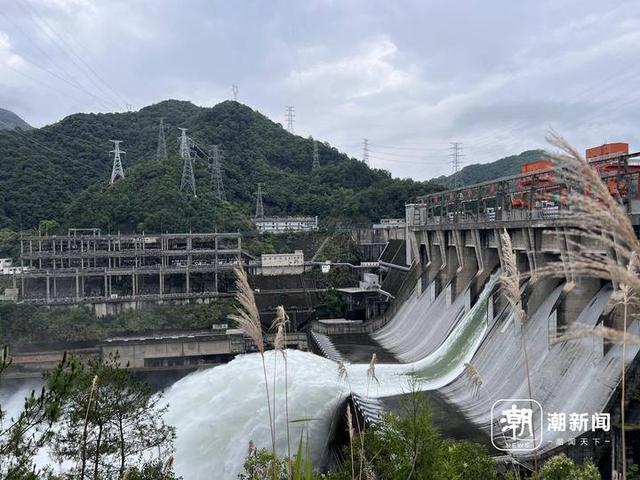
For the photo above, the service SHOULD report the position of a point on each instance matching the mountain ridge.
(11, 121)
(61, 171)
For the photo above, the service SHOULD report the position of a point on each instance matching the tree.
(560, 467)
(110, 421)
(21, 437)
(46, 227)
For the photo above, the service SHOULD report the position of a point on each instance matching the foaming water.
(217, 411)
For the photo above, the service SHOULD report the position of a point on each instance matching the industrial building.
(86, 266)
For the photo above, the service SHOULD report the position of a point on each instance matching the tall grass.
(510, 286)
(83, 440)
(594, 214)
(248, 318)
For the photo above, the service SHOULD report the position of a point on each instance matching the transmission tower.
(316, 156)
(188, 179)
(259, 204)
(365, 150)
(161, 154)
(117, 171)
(290, 115)
(234, 88)
(216, 172)
(456, 161)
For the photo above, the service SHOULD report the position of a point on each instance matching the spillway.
(218, 411)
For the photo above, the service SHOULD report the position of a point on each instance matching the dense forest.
(61, 172)
(504, 167)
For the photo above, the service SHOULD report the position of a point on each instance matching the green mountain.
(10, 121)
(61, 172)
(477, 172)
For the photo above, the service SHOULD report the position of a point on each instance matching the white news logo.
(516, 424)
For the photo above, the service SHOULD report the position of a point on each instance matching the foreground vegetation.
(96, 419)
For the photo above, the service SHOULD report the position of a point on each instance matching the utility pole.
(117, 171)
(456, 161)
(290, 115)
(234, 88)
(161, 154)
(188, 180)
(216, 172)
(365, 150)
(259, 204)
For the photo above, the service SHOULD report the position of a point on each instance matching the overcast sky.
(411, 76)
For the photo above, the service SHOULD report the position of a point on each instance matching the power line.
(117, 171)
(63, 45)
(290, 115)
(70, 81)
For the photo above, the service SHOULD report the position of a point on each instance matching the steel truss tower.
(116, 172)
(188, 180)
(259, 204)
(215, 162)
(316, 156)
(161, 153)
(290, 115)
(456, 162)
(365, 150)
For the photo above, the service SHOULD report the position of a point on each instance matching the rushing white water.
(218, 411)
(421, 324)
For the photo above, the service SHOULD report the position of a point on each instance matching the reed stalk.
(248, 318)
(83, 439)
(594, 214)
(510, 286)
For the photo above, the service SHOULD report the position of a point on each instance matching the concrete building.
(393, 228)
(282, 263)
(85, 266)
(286, 224)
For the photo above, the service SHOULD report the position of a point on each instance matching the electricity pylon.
(290, 115)
(117, 170)
(161, 153)
(259, 204)
(316, 156)
(216, 172)
(188, 180)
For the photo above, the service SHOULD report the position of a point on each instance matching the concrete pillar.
(55, 287)
(106, 284)
(48, 288)
(77, 285)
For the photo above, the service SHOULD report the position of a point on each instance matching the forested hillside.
(9, 121)
(504, 167)
(60, 172)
